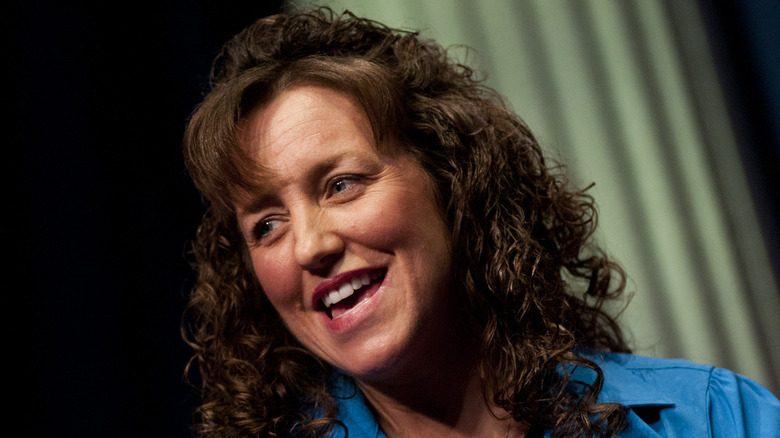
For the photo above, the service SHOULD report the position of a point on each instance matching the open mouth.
(339, 301)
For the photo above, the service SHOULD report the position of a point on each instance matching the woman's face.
(347, 242)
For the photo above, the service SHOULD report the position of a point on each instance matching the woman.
(388, 253)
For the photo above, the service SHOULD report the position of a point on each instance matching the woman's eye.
(341, 185)
(266, 226)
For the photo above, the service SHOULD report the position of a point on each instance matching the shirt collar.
(622, 383)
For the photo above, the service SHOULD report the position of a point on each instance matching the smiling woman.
(388, 253)
(345, 214)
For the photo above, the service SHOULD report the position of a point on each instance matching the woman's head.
(346, 238)
(518, 233)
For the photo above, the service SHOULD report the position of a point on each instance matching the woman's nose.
(317, 242)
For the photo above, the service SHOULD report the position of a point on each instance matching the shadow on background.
(100, 207)
(745, 40)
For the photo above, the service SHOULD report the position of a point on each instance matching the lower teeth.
(345, 305)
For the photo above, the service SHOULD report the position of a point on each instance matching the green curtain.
(626, 94)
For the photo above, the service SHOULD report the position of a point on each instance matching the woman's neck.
(444, 397)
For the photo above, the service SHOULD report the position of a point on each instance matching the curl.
(532, 279)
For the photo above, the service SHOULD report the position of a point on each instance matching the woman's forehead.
(304, 114)
(307, 127)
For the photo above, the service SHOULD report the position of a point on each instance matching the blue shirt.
(665, 397)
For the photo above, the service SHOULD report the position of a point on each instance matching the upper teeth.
(345, 290)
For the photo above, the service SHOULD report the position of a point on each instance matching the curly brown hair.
(533, 281)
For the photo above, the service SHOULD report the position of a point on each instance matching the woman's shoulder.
(681, 398)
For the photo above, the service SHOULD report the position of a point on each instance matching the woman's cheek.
(277, 276)
(381, 219)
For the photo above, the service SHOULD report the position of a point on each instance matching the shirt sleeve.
(740, 407)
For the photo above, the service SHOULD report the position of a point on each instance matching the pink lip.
(330, 284)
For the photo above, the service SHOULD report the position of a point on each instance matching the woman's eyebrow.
(263, 195)
(257, 202)
(322, 167)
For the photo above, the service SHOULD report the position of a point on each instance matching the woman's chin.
(371, 366)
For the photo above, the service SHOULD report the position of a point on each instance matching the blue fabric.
(666, 397)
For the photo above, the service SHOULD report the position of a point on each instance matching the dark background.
(745, 40)
(100, 208)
